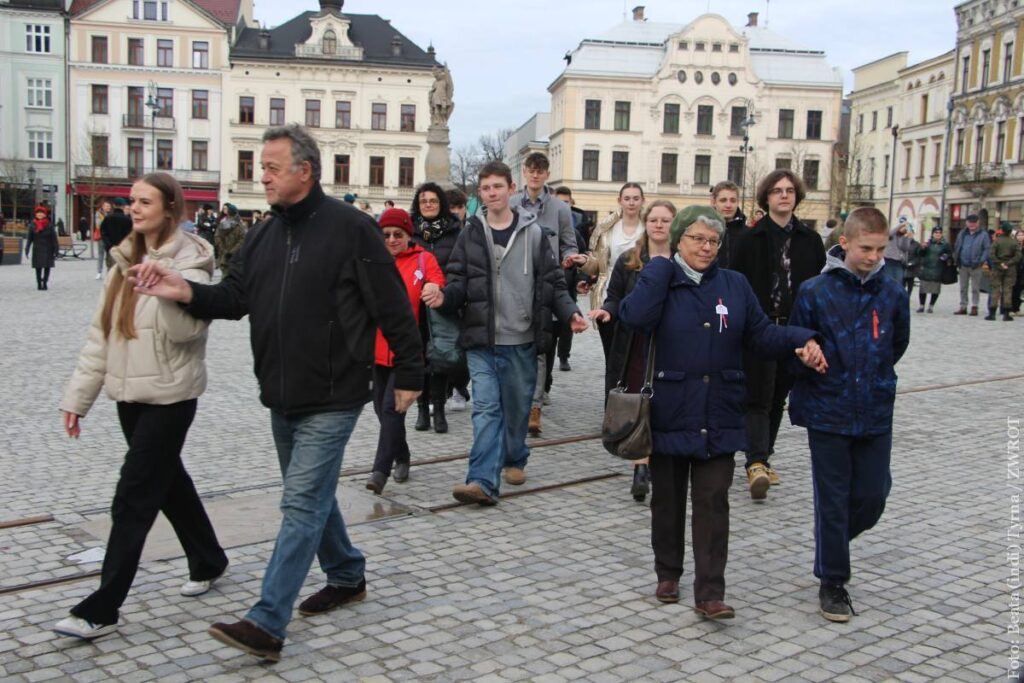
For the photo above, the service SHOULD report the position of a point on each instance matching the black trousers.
(709, 481)
(565, 335)
(549, 353)
(392, 446)
(153, 480)
(768, 385)
(42, 276)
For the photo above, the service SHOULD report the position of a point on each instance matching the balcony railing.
(861, 193)
(977, 173)
(85, 173)
(315, 51)
(142, 121)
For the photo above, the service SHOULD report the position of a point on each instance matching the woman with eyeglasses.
(702, 318)
(419, 270)
(436, 230)
(625, 350)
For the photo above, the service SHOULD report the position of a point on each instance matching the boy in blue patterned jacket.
(864, 319)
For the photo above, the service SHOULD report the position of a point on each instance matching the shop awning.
(125, 190)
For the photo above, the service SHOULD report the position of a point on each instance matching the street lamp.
(745, 148)
(33, 188)
(153, 105)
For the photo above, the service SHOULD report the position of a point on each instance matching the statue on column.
(441, 104)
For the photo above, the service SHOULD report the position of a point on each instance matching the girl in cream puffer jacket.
(152, 365)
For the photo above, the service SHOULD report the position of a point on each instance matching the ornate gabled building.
(361, 86)
(986, 143)
(147, 92)
(679, 107)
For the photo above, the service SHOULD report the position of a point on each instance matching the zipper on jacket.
(330, 354)
(280, 312)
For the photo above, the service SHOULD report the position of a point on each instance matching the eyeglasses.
(701, 242)
(429, 202)
(395, 235)
(780, 191)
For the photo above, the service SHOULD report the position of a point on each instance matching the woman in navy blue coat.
(702, 318)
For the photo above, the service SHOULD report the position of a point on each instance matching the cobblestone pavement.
(556, 585)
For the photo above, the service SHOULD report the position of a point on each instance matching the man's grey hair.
(304, 147)
(710, 223)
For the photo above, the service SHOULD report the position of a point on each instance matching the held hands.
(153, 279)
(404, 398)
(811, 355)
(583, 287)
(600, 315)
(432, 296)
(71, 426)
(577, 323)
(574, 260)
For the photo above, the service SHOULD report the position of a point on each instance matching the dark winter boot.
(422, 416)
(991, 314)
(641, 483)
(440, 423)
(1006, 315)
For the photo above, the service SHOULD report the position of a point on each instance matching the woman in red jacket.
(418, 268)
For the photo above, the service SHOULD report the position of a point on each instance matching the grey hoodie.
(514, 280)
(835, 259)
(555, 215)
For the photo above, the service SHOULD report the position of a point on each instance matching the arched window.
(330, 42)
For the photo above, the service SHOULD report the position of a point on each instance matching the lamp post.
(747, 122)
(32, 186)
(153, 106)
(892, 171)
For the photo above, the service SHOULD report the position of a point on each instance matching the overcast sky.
(503, 55)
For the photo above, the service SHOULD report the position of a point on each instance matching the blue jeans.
(309, 450)
(503, 382)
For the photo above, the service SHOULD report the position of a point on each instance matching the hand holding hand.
(154, 279)
(811, 355)
(600, 315)
(71, 426)
(583, 287)
(404, 398)
(574, 260)
(577, 324)
(432, 295)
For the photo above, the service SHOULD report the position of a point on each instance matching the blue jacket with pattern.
(865, 323)
(700, 333)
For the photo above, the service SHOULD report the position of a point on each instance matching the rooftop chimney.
(752, 19)
(638, 13)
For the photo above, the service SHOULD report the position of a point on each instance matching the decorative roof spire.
(332, 6)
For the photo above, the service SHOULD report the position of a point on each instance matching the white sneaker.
(76, 627)
(99, 276)
(546, 400)
(191, 589)
(456, 403)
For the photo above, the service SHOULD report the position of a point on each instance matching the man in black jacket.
(114, 228)
(776, 256)
(505, 280)
(316, 282)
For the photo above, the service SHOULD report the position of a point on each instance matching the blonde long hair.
(635, 260)
(120, 288)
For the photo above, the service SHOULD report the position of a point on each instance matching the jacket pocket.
(726, 402)
(674, 401)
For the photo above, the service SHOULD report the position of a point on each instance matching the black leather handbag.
(626, 431)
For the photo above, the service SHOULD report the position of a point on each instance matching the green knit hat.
(685, 218)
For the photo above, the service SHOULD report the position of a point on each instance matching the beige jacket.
(165, 363)
(598, 260)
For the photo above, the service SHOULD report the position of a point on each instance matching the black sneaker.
(835, 602)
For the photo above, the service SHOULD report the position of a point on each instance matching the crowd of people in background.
(721, 317)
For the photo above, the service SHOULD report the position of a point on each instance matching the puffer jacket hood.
(184, 251)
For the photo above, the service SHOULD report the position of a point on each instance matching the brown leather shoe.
(667, 591)
(974, 311)
(515, 476)
(714, 609)
(248, 637)
(960, 311)
(472, 493)
(534, 425)
(331, 597)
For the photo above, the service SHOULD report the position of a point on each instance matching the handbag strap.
(621, 384)
(648, 388)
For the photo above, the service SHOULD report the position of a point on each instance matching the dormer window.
(330, 42)
(149, 10)
(683, 45)
(699, 46)
(716, 47)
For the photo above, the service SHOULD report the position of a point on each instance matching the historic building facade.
(33, 144)
(897, 138)
(678, 108)
(361, 86)
(147, 93)
(986, 144)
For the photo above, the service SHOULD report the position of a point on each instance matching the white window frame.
(40, 145)
(40, 93)
(37, 35)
